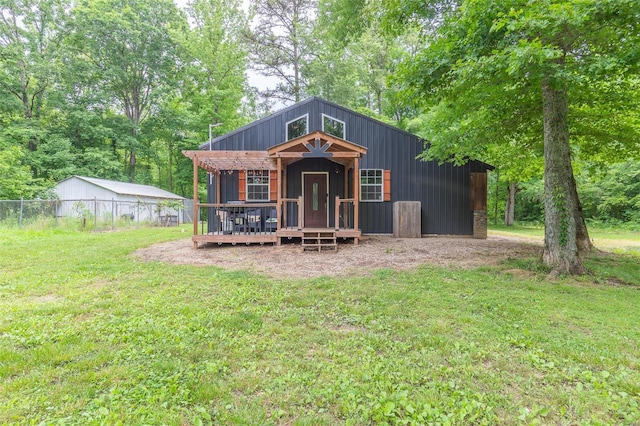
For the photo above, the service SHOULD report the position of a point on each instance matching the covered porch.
(312, 184)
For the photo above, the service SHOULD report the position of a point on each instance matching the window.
(370, 185)
(333, 126)
(375, 185)
(257, 185)
(297, 127)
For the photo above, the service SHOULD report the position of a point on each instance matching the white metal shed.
(103, 197)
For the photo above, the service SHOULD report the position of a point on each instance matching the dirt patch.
(373, 252)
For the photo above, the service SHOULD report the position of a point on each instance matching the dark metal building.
(350, 156)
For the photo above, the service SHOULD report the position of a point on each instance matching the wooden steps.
(319, 240)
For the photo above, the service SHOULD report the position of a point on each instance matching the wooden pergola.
(277, 158)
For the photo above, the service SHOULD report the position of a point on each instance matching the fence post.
(95, 214)
(21, 206)
(55, 213)
(138, 215)
(112, 214)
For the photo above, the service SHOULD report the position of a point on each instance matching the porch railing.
(292, 213)
(238, 218)
(262, 218)
(346, 215)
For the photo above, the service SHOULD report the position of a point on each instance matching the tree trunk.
(561, 206)
(582, 235)
(510, 207)
(132, 166)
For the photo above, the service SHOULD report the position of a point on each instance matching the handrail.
(346, 214)
(237, 204)
(239, 218)
(284, 209)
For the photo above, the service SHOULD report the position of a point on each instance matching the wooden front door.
(315, 200)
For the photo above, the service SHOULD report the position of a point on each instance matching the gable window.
(257, 185)
(333, 126)
(297, 127)
(375, 185)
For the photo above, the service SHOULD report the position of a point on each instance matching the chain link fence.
(93, 214)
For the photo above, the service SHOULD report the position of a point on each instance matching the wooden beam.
(337, 220)
(279, 196)
(334, 154)
(284, 189)
(356, 196)
(205, 155)
(300, 207)
(218, 185)
(195, 200)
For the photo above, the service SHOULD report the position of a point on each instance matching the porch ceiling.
(216, 161)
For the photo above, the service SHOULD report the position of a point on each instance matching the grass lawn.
(91, 335)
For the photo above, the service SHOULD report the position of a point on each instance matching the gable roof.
(126, 188)
(283, 111)
(263, 134)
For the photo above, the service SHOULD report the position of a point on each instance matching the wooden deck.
(270, 237)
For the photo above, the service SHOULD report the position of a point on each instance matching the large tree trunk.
(561, 205)
(510, 207)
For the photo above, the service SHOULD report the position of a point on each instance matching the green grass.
(616, 260)
(91, 335)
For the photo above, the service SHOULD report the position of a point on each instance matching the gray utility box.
(407, 219)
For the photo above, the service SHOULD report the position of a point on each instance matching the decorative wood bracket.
(316, 150)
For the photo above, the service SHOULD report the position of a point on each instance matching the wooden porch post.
(300, 213)
(196, 203)
(356, 197)
(279, 197)
(218, 187)
(284, 189)
(279, 193)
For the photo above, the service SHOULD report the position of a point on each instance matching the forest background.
(116, 89)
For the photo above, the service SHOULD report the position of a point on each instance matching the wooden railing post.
(356, 194)
(279, 191)
(299, 212)
(337, 223)
(195, 199)
(284, 213)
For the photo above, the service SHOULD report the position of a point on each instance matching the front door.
(315, 200)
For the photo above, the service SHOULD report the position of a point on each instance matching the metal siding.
(229, 187)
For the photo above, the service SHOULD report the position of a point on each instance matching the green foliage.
(608, 196)
(15, 177)
(130, 54)
(620, 193)
(353, 59)
(105, 338)
(29, 40)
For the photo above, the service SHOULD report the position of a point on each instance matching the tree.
(215, 81)
(29, 38)
(353, 58)
(480, 55)
(131, 54)
(280, 46)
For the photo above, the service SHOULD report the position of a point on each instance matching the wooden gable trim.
(311, 137)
